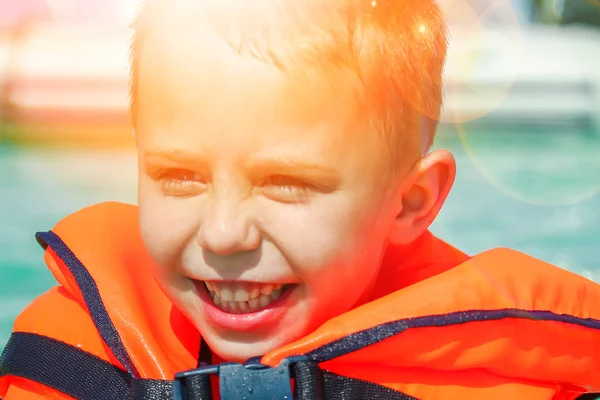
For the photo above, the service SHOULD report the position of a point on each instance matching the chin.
(240, 346)
(237, 351)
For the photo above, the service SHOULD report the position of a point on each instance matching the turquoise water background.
(532, 190)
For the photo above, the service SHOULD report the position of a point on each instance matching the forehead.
(193, 76)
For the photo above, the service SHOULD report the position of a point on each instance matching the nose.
(227, 228)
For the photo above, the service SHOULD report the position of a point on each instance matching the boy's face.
(249, 181)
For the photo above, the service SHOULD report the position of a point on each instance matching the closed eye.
(286, 189)
(179, 182)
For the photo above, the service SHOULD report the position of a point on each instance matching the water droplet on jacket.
(250, 390)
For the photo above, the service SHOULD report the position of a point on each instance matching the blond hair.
(394, 48)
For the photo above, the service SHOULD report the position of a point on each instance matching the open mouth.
(245, 297)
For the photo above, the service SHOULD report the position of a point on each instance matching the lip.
(247, 321)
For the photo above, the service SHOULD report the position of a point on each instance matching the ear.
(422, 196)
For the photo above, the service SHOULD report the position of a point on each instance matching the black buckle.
(251, 380)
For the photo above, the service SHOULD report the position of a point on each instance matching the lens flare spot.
(484, 57)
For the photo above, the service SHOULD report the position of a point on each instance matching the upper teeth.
(243, 297)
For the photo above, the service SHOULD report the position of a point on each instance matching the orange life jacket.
(441, 325)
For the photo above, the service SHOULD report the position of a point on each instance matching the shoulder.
(530, 283)
(57, 315)
(54, 317)
(99, 218)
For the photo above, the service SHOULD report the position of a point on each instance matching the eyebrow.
(184, 158)
(174, 155)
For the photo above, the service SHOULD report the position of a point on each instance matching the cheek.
(334, 237)
(167, 226)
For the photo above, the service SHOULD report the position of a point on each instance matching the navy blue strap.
(204, 355)
(376, 334)
(337, 387)
(92, 298)
(65, 368)
(146, 389)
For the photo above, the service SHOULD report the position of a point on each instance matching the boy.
(285, 191)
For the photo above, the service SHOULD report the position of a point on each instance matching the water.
(534, 191)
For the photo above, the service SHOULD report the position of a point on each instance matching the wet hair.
(393, 50)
